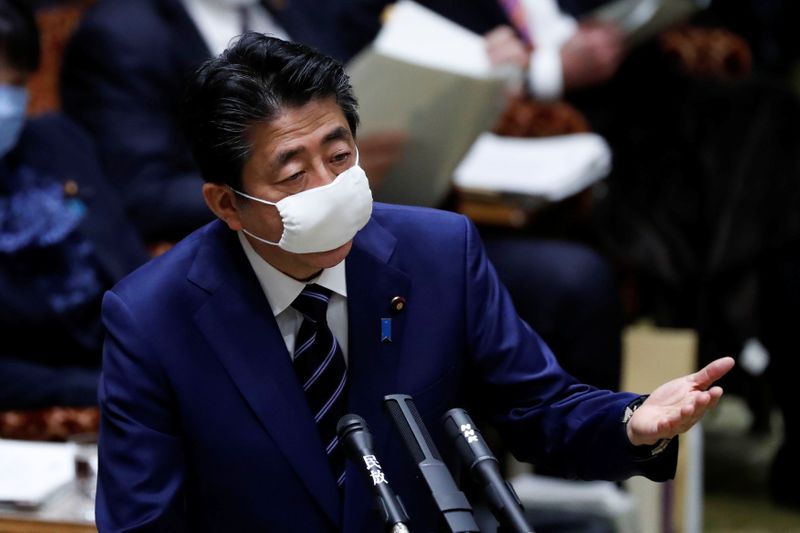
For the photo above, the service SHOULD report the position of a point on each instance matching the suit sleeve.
(544, 414)
(126, 94)
(141, 460)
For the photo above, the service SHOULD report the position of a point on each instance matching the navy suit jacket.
(205, 428)
(123, 77)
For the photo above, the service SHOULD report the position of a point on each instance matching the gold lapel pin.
(398, 304)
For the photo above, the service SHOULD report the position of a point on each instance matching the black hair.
(19, 36)
(251, 83)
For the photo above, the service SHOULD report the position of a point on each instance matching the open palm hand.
(677, 405)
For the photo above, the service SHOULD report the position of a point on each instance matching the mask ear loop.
(256, 237)
(259, 200)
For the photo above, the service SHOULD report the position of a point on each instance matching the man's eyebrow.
(337, 134)
(286, 155)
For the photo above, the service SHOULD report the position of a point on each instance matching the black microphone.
(484, 468)
(451, 502)
(357, 442)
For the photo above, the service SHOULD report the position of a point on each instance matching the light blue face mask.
(13, 103)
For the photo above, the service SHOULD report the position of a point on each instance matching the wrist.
(630, 409)
(642, 448)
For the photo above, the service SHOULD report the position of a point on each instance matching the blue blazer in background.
(54, 270)
(205, 428)
(53, 153)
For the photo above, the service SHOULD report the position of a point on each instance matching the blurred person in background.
(123, 77)
(555, 52)
(64, 240)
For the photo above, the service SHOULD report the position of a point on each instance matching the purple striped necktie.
(321, 371)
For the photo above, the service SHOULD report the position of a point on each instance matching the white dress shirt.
(550, 29)
(219, 21)
(281, 290)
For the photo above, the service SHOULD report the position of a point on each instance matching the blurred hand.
(378, 152)
(677, 405)
(506, 49)
(592, 55)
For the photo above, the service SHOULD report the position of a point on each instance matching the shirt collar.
(280, 289)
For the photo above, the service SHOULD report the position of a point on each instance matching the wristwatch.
(645, 451)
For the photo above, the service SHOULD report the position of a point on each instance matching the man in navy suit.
(206, 424)
(64, 240)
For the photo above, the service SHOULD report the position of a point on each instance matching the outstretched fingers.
(706, 376)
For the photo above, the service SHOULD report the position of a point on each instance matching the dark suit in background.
(56, 265)
(123, 78)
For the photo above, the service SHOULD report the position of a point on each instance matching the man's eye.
(339, 158)
(294, 177)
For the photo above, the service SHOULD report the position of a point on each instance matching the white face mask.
(13, 102)
(323, 218)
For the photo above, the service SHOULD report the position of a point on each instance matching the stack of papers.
(32, 471)
(552, 168)
(417, 35)
(430, 79)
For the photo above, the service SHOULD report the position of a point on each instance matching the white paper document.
(32, 471)
(429, 79)
(420, 36)
(553, 168)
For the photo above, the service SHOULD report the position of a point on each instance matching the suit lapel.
(372, 283)
(237, 323)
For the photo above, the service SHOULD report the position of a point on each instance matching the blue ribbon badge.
(386, 330)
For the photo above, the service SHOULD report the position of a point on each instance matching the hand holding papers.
(431, 79)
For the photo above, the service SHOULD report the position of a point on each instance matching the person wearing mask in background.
(64, 240)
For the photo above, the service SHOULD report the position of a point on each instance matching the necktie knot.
(313, 302)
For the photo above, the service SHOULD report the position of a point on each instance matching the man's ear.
(220, 200)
